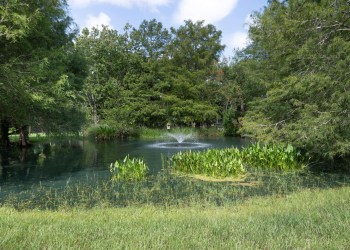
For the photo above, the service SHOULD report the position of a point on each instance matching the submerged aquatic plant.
(129, 169)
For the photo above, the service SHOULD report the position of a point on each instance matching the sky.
(232, 17)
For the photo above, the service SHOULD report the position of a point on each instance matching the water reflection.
(76, 159)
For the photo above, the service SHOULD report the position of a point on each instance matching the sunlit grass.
(311, 219)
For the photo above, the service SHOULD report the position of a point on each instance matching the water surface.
(58, 162)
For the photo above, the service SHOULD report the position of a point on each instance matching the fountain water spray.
(180, 137)
(180, 142)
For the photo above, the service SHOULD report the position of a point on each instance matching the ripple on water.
(177, 145)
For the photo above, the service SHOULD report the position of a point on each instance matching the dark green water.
(59, 162)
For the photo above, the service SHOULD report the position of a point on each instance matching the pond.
(75, 160)
(73, 173)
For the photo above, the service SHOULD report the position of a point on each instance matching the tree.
(134, 79)
(106, 58)
(150, 39)
(306, 44)
(194, 50)
(36, 84)
(195, 46)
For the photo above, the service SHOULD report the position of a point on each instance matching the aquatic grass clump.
(212, 162)
(106, 132)
(273, 157)
(233, 162)
(103, 132)
(129, 169)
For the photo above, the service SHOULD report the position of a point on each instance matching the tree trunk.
(94, 114)
(24, 137)
(5, 127)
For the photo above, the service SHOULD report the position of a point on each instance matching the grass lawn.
(311, 219)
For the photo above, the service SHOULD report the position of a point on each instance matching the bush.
(230, 123)
(107, 132)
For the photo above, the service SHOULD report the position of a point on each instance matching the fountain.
(180, 137)
(181, 142)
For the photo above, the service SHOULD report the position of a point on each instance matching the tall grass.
(313, 219)
(151, 133)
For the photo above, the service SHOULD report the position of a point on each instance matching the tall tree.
(35, 82)
(105, 52)
(150, 39)
(307, 45)
(194, 50)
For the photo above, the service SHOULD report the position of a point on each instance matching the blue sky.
(229, 16)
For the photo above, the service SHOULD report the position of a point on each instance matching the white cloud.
(238, 40)
(79, 3)
(209, 10)
(98, 21)
(122, 3)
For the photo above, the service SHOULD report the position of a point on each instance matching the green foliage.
(102, 132)
(212, 162)
(15, 20)
(234, 162)
(273, 157)
(195, 46)
(151, 133)
(38, 86)
(150, 40)
(137, 79)
(304, 48)
(108, 132)
(230, 123)
(129, 169)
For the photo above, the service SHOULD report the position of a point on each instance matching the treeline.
(290, 85)
(150, 76)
